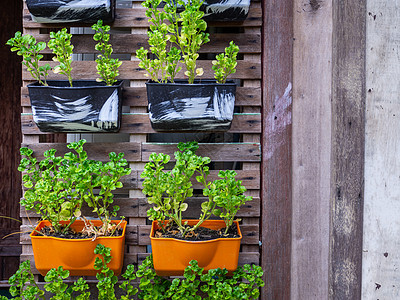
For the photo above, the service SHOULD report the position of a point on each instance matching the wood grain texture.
(276, 181)
(347, 177)
(10, 137)
(129, 43)
(128, 18)
(382, 158)
(131, 70)
(312, 75)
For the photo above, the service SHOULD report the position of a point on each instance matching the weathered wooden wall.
(381, 255)
(241, 144)
(10, 139)
(312, 77)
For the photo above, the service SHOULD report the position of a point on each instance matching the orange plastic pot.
(171, 256)
(75, 255)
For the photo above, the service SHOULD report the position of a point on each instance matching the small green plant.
(168, 190)
(107, 67)
(227, 194)
(225, 63)
(176, 38)
(60, 43)
(57, 186)
(23, 285)
(213, 285)
(56, 285)
(106, 278)
(27, 47)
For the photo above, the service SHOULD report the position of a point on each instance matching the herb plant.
(213, 285)
(176, 38)
(57, 186)
(27, 47)
(60, 43)
(225, 63)
(107, 67)
(168, 190)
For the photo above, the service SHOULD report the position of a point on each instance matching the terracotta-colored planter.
(172, 256)
(75, 255)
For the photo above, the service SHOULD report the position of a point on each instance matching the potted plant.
(72, 106)
(175, 39)
(66, 11)
(56, 189)
(168, 191)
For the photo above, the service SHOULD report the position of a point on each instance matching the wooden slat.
(276, 185)
(131, 70)
(311, 151)
(140, 123)
(136, 96)
(348, 144)
(250, 209)
(96, 151)
(127, 18)
(250, 234)
(217, 152)
(129, 43)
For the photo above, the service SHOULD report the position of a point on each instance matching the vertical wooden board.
(347, 176)
(381, 256)
(277, 133)
(10, 135)
(312, 73)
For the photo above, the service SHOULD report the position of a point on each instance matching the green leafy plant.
(225, 63)
(58, 185)
(244, 283)
(168, 190)
(27, 47)
(106, 278)
(107, 67)
(175, 38)
(56, 285)
(23, 285)
(60, 43)
(227, 194)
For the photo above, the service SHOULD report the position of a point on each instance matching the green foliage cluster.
(213, 285)
(60, 43)
(176, 38)
(225, 63)
(107, 67)
(57, 186)
(27, 47)
(168, 190)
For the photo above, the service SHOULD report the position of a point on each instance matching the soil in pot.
(200, 234)
(75, 235)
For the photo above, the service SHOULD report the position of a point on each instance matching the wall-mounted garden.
(193, 104)
(213, 243)
(56, 189)
(67, 11)
(68, 105)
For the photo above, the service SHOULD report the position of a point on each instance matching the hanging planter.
(171, 256)
(67, 11)
(225, 10)
(88, 106)
(203, 105)
(76, 255)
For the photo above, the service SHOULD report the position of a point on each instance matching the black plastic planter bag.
(88, 106)
(202, 106)
(65, 11)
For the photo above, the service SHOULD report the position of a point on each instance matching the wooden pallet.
(244, 150)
